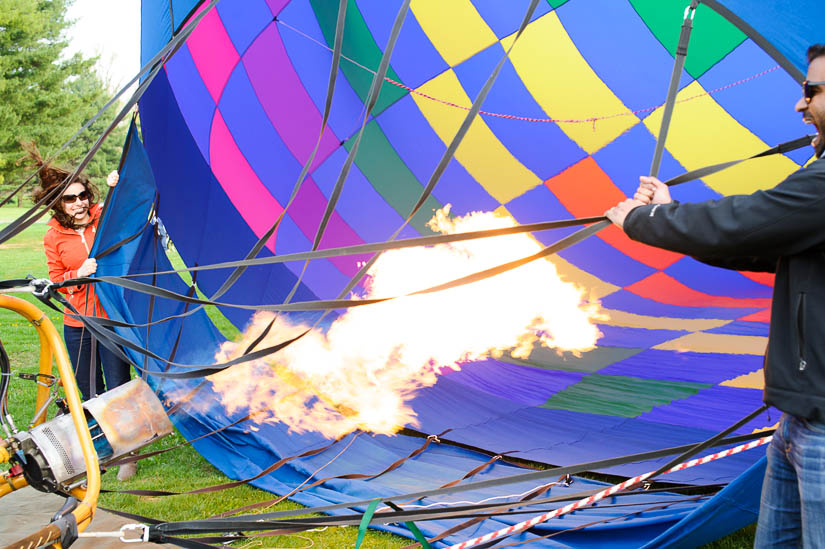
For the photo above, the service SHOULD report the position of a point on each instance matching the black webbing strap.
(372, 100)
(692, 451)
(151, 308)
(686, 455)
(339, 303)
(127, 239)
(319, 305)
(127, 145)
(253, 522)
(182, 401)
(679, 459)
(352, 476)
(333, 75)
(186, 543)
(322, 305)
(411, 526)
(160, 537)
(378, 80)
(420, 241)
(234, 484)
(240, 267)
(481, 517)
(349, 250)
(92, 366)
(699, 173)
(446, 157)
(384, 517)
(709, 442)
(114, 341)
(673, 87)
(174, 352)
(14, 283)
(157, 536)
(335, 304)
(476, 470)
(21, 223)
(357, 249)
(655, 507)
(782, 148)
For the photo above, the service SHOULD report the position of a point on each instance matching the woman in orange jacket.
(71, 232)
(68, 240)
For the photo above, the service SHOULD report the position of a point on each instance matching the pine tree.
(46, 97)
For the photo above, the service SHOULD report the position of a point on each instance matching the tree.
(45, 97)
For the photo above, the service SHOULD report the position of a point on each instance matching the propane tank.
(120, 421)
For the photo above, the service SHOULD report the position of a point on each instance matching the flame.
(362, 372)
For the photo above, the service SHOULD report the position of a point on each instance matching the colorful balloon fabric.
(569, 125)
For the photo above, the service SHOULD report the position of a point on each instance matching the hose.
(5, 376)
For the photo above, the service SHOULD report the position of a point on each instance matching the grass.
(179, 470)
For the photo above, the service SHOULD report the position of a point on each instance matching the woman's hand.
(88, 268)
(112, 178)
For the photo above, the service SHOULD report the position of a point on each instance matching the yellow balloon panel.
(702, 342)
(481, 153)
(565, 86)
(703, 133)
(455, 28)
(616, 317)
(753, 380)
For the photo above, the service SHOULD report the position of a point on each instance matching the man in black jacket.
(779, 230)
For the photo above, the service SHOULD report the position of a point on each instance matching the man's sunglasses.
(69, 198)
(809, 89)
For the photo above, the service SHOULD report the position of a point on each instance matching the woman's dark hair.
(52, 176)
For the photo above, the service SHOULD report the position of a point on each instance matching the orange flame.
(362, 372)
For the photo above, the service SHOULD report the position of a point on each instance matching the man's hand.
(652, 191)
(88, 268)
(618, 213)
(112, 178)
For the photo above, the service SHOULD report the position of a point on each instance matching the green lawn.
(178, 470)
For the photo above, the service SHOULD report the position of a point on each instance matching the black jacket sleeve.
(753, 264)
(757, 228)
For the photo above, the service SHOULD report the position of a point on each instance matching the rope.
(591, 120)
(521, 526)
(626, 516)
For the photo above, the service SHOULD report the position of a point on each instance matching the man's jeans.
(79, 345)
(792, 510)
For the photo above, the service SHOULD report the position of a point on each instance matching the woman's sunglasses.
(810, 89)
(69, 198)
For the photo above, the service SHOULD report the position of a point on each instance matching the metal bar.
(84, 511)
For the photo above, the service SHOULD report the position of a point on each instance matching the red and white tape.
(521, 526)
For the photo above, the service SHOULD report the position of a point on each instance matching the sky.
(110, 29)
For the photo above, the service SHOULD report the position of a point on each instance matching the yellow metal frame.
(51, 346)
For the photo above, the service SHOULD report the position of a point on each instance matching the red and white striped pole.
(521, 526)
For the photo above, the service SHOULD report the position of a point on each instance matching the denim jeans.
(79, 345)
(792, 509)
